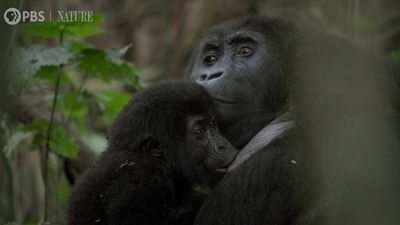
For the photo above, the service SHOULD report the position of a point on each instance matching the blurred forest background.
(64, 83)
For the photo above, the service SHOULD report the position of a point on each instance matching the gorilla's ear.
(151, 145)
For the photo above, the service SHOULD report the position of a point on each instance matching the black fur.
(149, 170)
(288, 66)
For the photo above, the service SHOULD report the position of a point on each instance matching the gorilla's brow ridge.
(210, 44)
(239, 38)
(210, 47)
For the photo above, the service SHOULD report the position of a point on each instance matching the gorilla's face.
(241, 65)
(207, 147)
(207, 152)
(229, 67)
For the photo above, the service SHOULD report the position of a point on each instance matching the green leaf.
(117, 53)
(60, 142)
(113, 100)
(26, 62)
(77, 47)
(74, 105)
(103, 64)
(53, 28)
(49, 74)
(395, 55)
(83, 30)
(39, 128)
(63, 145)
(43, 29)
(37, 125)
(72, 101)
(111, 103)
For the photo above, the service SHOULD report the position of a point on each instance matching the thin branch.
(48, 137)
(47, 145)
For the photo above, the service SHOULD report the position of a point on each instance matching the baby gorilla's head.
(175, 120)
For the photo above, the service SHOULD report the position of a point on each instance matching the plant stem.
(48, 137)
(47, 149)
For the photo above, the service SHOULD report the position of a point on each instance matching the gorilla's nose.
(211, 76)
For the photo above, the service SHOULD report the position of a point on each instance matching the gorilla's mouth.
(224, 168)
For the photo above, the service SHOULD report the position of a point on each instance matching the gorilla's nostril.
(215, 75)
(222, 148)
(203, 77)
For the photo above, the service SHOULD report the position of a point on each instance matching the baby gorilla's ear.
(151, 145)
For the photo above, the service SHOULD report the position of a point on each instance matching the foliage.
(39, 65)
(59, 76)
(53, 29)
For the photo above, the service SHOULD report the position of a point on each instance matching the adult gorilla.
(256, 70)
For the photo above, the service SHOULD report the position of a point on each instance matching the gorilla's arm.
(135, 197)
(187, 210)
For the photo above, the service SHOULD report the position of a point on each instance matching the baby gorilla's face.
(211, 153)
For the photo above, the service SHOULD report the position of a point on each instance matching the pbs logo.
(12, 16)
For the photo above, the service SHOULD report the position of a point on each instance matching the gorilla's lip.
(223, 100)
(224, 168)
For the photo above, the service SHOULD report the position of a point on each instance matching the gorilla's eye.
(199, 133)
(245, 51)
(210, 60)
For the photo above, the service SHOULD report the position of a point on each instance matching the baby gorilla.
(163, 143)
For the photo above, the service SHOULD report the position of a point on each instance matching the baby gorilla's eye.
(210, 60)
(199, 133)
(245, 51)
